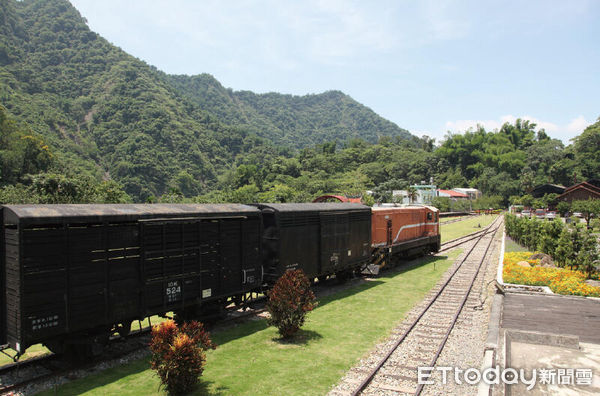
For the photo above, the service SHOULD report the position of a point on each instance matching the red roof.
(586, 185)
(340, 198)
(453, 194)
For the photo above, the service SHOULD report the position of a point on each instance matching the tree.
(588, 208)
(563, 207)
(527, 200)
(587, 155)
(412, 193)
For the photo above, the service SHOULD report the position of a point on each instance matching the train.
(72, 275)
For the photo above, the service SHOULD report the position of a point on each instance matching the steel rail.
(469, 237)
(363, 385)
(458, 311)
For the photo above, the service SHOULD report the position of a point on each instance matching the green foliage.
(548, 238)
(563, 207)
(488, 202)
(178, 354)
(572, 246)
(587, 155)
(290, 300)
(22, 152)
(527, 200)
(588, 208)
(293, 121)
(77, 105)
(54, 188)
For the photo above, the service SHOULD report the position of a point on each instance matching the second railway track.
(420, 341)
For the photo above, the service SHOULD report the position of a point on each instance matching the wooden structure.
(580, 191)
(74, 272)
(543, 189)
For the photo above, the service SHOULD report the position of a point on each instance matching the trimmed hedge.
(569, 245)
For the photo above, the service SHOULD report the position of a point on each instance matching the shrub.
(560, 280)
(289, 301)
(178, 354)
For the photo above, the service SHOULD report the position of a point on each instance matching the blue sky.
(428, 66)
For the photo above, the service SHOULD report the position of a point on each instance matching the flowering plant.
(559, 280)
(178, 354)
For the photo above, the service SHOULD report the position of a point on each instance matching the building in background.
(580, 191)
(543, 189)
(425, 193)
(473, 193)
(451, 194)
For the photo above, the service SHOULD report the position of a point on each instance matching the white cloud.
(564, 132)
(577, 125)
(322, 31)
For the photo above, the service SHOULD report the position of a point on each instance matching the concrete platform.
(551, 333)
(533, 356)
(553, 314)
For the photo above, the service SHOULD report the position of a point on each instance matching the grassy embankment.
(252, 360)
(512, 246)
(464, 227)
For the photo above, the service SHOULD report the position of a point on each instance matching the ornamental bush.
(178, 354)
(560, 280)
(573, 246)
(289, 301)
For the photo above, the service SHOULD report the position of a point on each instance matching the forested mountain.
(112, 116)
(503, 163)
(295, 121)
(82, 121)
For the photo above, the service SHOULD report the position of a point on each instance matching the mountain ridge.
(109, 114)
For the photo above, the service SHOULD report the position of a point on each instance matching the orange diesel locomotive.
(402, 232)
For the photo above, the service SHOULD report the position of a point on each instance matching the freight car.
(322, 239)
(74, 274)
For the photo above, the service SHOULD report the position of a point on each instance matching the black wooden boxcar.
(319, 238)
(72, 270)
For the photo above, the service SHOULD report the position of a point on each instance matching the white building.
(473, 193)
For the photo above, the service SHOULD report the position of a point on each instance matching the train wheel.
(124, 328)
(343, 276)
(56, 347)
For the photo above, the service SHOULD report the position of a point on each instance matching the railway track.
(421, 341)
(17, 376)
(451, 244)
(461, 218)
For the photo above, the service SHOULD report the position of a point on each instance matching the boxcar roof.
(108, 212)
(405, 207)
(312, 207)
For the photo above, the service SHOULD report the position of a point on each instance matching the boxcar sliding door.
(335, 237)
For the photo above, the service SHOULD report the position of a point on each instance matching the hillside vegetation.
(293, 121)
(83, 121)
(108, 114)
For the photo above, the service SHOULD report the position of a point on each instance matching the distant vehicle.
(526, 213)
(540, 213)
(577, 214)
(550, 215)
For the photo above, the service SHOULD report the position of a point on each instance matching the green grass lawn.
(252, 360)
(465, 227)
(512, 246)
